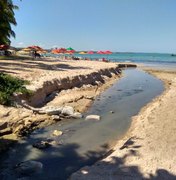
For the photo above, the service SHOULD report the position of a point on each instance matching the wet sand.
(148, 149)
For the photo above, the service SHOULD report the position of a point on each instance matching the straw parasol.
(82, 52)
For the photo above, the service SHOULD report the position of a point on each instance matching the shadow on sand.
(59, 162)
(27, 65)
(116, 169)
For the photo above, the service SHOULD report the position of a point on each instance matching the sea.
(162, 60)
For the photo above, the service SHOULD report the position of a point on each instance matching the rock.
(54, 143)
(28, 167)
(41, 144)
(76, 115)
(50, 110)
(90, 97)
(67, 111)
(57, 133)
(3, 125)
(56, 118)
(93, 117)
(53, 111)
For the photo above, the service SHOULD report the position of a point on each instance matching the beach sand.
(70, 82)
(39, 71)
(147, 151)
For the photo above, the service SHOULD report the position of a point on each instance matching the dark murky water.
(84, 142)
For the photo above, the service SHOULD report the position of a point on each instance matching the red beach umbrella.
(37, 48)
(70, 52)
(107, 52)
(4, 47)
(90, 52)
(61, 50)
(100, 52)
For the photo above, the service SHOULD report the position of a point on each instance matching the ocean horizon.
(151, 59)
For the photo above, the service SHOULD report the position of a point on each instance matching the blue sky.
(116, 25)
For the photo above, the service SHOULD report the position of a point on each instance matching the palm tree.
(7, 18)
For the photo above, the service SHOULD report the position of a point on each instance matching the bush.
(9, 85)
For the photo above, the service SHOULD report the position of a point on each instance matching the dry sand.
(39, 71)
(148, 149)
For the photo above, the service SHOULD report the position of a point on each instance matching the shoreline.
(135, 155)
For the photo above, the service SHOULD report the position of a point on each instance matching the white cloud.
(20, 44)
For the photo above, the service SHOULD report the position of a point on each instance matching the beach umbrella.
(4, 47)
(82, 52)
(70, 49)
(107, 52)
(26, 49)
(37, 48)
(32, 47)
(61, 50)
(54, 51)
(70, 52)
(100, 52)
(90, 52)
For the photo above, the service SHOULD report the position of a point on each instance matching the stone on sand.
(57, 133)
(93, 117)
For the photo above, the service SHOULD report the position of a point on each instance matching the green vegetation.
(10, 85)
(7, 18)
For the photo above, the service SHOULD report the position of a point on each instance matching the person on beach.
(35, 54)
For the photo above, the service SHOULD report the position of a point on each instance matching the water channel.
(85, 142)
